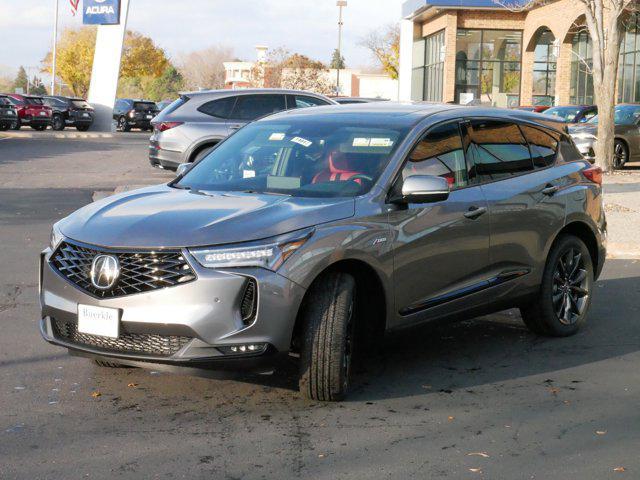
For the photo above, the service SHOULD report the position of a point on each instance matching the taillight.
(593, 174)
(164, 126)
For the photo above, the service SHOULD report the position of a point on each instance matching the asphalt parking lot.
(478, 399)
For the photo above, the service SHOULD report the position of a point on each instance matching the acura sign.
(101, 12)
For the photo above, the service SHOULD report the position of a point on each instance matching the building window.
(629, 69)
(581, 64)
(488, 64)
(544, 69)
(428, 68)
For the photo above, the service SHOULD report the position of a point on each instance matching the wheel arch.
(584, 232)
(195, 149)
(371, 300)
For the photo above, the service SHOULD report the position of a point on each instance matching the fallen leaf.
(96, 394)
(554, 391)
(601, 432)
(619, 469)
(133, 385)
(450, 418)
(475, 470)
(321, 455)
(478, 454)
(567, 402)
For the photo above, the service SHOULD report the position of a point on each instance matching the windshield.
(623, 115)
(568, 114)
(302, 157)
(80, 104)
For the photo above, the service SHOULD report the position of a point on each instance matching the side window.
(498, 150)
(589, 115)
(567, 151)
(303, 101)
(439, 153)
(218, 108)
(250, 107)
(543, 146)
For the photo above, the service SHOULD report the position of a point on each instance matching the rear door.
(515, 166)
(441, 249)
(251, 107)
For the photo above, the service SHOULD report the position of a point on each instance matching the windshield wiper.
(181, 187)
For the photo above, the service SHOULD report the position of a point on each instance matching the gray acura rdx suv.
(308, 233)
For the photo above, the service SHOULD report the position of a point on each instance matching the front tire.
(563, 301)
(328, 338)
(16, 125)
(82, 128)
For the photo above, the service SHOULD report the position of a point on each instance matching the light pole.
(340, 4)
(54, 49)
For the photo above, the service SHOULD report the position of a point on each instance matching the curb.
(56, 135)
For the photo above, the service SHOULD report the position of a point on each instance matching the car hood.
(162, 216)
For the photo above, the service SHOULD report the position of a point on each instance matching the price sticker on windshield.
(302, 141)
(276, 137)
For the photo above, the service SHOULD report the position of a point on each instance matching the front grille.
(136, 343)
(139, 271)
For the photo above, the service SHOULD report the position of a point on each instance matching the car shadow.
(496, 348)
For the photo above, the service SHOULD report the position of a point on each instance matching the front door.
(440, 249)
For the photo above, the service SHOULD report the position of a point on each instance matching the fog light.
(246, 349)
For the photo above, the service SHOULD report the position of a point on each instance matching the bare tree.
(605, 22)
(281, 69)
(384, 45)
(204, 69)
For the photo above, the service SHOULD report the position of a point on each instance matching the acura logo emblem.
(105, 270)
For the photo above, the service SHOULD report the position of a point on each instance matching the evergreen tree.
(22, 80)
(337, 60)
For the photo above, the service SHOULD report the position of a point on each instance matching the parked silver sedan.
(627, 135)
(190, 127)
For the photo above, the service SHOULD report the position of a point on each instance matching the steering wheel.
(361, 176)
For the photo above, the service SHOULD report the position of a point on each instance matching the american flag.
(74, 6)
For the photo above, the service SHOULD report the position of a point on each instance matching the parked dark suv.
(129, 113)
(31, 111)
(308, 233)
(8, 114)
(70, 112)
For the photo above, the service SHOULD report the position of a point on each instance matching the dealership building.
(479, 52)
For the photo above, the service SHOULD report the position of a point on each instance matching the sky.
(179, 26)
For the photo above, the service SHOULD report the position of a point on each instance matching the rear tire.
(82, 128)
(563, 302)
(202, 153)
(328, 338)
(17, 125)
(4, 127)
(620, 154)
(57, 123)
(123, 126)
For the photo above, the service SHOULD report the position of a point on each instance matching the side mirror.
(183, 168)
(424, 189)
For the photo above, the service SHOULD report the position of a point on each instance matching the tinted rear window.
(176, 104)
(35, 101)
(543, 145)
(221, 108)
(251, 107)
(146, 106)
(80, 104)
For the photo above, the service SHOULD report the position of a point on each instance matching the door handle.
(550, 190)
(475, 212)
(235, 127)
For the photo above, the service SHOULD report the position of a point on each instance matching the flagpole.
(55, 48)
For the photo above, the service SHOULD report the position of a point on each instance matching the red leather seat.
(338, 170)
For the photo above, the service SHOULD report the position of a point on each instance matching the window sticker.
(248, 173)
(302, 141)
(276, 137)
(361, 142)
(381, 142)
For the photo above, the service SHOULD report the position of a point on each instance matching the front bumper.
(586, 146)
(205, 312)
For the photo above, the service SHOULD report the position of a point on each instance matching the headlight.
(269, 255)
(584, 136)
(56, 237)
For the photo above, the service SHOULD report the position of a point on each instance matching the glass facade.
(629, 68)
(544, 70)
(581, 91)
(428, 68)
(488, 65)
